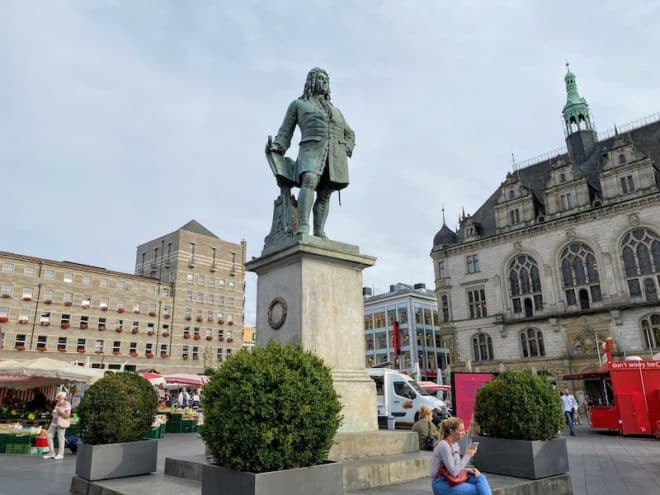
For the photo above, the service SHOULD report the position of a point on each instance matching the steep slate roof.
(198, 228)
(645, 139)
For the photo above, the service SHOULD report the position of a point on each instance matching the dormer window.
(562, 177)
(622, 159)
(514, 217)
(512, 194)
(566, 201)
(627, 184)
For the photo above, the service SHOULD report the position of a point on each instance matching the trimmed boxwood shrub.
(270, 409)
(120, 407)
(520, 406)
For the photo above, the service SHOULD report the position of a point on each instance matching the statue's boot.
(305, 200)
(321, 209)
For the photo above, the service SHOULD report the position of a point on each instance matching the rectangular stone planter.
(116, 460)
(324, 479)
(522, 458)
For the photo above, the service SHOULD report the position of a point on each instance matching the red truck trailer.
(623, 396)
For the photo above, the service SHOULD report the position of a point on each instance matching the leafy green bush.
(120, 407)
(520, 406)
(270, 409)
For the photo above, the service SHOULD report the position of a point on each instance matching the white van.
(400, 397)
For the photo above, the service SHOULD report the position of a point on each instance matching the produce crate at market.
(18, 444)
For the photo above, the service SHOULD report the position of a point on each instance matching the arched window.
(640, 249)
(525, 281)
(531, 341)
(651, 331)
(579, 274)
(482, 347)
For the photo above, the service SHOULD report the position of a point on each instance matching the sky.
(122, 121)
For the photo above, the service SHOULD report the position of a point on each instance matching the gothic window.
(651, 331)
(531, 341)
(525, 281)
(477, 303)
(640, 249)
(482, 347)
(579, 273)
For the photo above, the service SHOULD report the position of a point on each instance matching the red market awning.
(433, 387)
(186, 379)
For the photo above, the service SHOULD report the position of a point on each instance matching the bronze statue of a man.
(326, 142)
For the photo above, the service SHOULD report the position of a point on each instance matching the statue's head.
(317, 82)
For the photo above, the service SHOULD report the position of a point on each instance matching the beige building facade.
(565, 253)
(181, 312)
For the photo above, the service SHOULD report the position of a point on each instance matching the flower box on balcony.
(116, 353)
(120, 310)
(166, 334)
(135, 331)
(101, 328)
(221, 338)
(42, 349)
(166, 316)
(230, 339)
(45, 323)
(199, 319)
(23, 321)
(20, 347)
(85, 305)
(185, 356)
(104, 308)
(4, 319)
(81, 351)
(149, 355)
(98, 352)
(6, 296)
(186, 336)
(84, 326)
(150, 333)
(187, 317)
(152, 313)
(119, 329)
(48, 301)
(65, 325)
(164, 355)
(27, 298)
(230, 323)
(196, 337)
(208, 337)
(68, 303)
(221, 322)
(61, 349)
(136, 311)
(132, 354)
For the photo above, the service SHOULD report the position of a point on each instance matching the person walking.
(569, 405)
(449, 476)
(59, 424)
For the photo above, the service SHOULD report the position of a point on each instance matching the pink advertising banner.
(464, 392)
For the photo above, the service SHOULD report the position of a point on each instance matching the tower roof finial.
(443, 215)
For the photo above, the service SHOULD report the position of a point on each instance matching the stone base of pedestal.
(358, 396)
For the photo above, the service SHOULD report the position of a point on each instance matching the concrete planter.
(324, 479)
(522, 458)
(116, 460)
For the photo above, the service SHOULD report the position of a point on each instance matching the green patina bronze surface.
(320, 168)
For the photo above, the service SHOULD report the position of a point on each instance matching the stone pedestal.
(310, 292)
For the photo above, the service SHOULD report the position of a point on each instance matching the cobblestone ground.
(601, 464)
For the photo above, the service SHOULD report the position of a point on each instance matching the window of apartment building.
(121, 305)
(579, 273)
(65, 319)
(221, 300)
(472, 263)
(196, 333)
(219, 355)
(230, 335)
(442, 269)
(119, 324)
(211, 281)
(368, 321)
(531, 341)
(476, 298)
(562, 177)
(44, 320)
(187, 313)
(20, 340)
(230, 317)
(137, 307)
(210, 298)
(167, 311)
(4, 314)
(566, 201)
(199, 297)
(185, 352)
(444, 307)
(7, 268)
(28, 271)
(231, 301)
(195, 352)
(24, 316)
(49, 295)
(627, 184)
(28, 292)
(209, 315)
(7, 290)
(98, 346)
(80, 345)
(49, 274)
(86, 301)
(149, 348)
(379, 319)
(190, 278)
(163, 349)
(84, 322)
(103, 283)
(199, 313)
(514, 217)
(103, 323)
(132, 348)
(228, 353)
(67, 298)
(151, 290)
(221, 334)
(135, 327)
(381, 340)
(231, 285)
(221, 283)
(369, 342)
(104, 302)
(201, 280)
(482, 347)
(651, 331)
(68, 277)
(86, 280)
(42, 340)
(121, 284)
(116, 347)
(152, 309)
(189, 295)
(61, 343)
(525, 284)
(641, 260)
(165, 292)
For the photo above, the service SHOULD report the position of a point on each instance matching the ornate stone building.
(181, 312)
(564, 253)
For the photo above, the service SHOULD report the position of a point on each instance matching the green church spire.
(576, 110)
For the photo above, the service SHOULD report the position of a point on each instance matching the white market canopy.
(44, 371)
